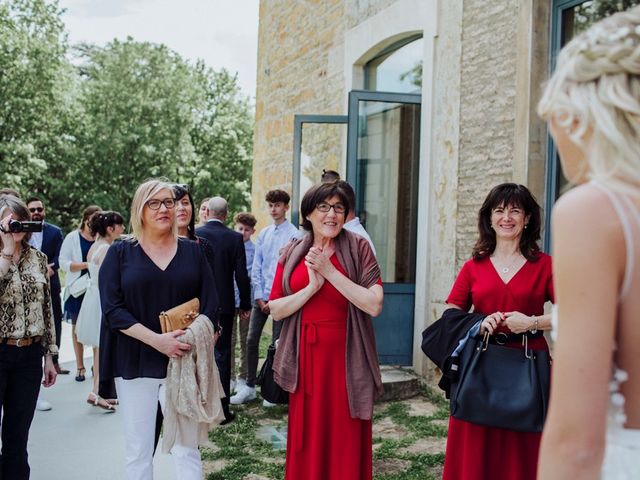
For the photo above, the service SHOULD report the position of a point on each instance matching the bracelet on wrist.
(535, 324)
(8, 256)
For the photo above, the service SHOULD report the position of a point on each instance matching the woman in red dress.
(327, 287)
(509, 280)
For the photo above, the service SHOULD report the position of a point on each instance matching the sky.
(223, 33)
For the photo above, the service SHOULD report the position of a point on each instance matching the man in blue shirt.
(268, 246)
(245, 224)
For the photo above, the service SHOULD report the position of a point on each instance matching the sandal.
(96, 402)
(80, 375)
(112, 401)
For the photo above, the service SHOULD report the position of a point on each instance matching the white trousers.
(138, 407)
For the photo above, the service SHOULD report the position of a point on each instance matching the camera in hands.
(16, 226)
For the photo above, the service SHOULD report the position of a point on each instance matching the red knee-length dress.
(476, 452)
(323, 441)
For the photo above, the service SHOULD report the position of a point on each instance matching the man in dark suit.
(49, 242)
(230, 263)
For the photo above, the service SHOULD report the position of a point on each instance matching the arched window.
(397, 68)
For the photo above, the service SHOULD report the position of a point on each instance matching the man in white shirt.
(352, 223)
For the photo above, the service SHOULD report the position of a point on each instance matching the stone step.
(399, 383)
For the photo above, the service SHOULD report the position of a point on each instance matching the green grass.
(245, 454)
(419, 465)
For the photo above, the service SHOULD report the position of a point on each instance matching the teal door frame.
(551, 181)
(394, 326)
(298, 123)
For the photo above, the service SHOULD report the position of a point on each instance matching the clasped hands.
(319, 267)
(515, 321)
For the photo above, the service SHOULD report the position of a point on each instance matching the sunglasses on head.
(180, 190)
(36, 209)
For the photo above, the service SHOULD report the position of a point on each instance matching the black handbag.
(269, 389)
(500, 386)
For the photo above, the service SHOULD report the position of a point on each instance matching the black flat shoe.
(60, 370)
(80, 375)
(230, 417)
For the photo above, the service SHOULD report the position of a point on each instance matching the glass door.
(383, 161)
(318, 143)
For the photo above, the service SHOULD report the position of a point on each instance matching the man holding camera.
(49, 241)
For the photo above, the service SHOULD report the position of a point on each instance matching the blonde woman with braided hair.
(592, 104)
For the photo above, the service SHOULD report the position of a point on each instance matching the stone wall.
(300, 71)
(488, 59)
(295, 76)
(487, 109)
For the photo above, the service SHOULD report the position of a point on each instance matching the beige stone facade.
(295, 76)
(482, 67)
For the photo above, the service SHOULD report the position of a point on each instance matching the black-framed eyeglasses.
(324, 207)
(154, 203)
(36, 209)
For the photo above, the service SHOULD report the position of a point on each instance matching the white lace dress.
(622, 454)
(90, 315)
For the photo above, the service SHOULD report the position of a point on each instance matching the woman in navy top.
(140, 277)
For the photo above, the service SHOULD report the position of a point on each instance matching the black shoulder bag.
(269, 389)
(499, 386)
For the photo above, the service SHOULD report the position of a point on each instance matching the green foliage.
(90, 129)
(36, 111)
(584, 15)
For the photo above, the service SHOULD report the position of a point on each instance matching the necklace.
(506, 269)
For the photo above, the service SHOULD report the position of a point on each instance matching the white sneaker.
(268, 404)
(43, 405)
(244, 395)
(232, 386)
(240, 382)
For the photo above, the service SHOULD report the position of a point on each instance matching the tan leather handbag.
(180, 317)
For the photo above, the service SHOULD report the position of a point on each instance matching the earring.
(526, 225)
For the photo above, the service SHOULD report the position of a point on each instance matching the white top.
(36, 240)
(356, 227)
(70, 251)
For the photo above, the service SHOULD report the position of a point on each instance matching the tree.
(90, 132)
(222, 138)
(34, 101)
(590, 12)
(137, 99)
(152, 114)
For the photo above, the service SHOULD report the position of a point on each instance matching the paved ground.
(76, 441)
